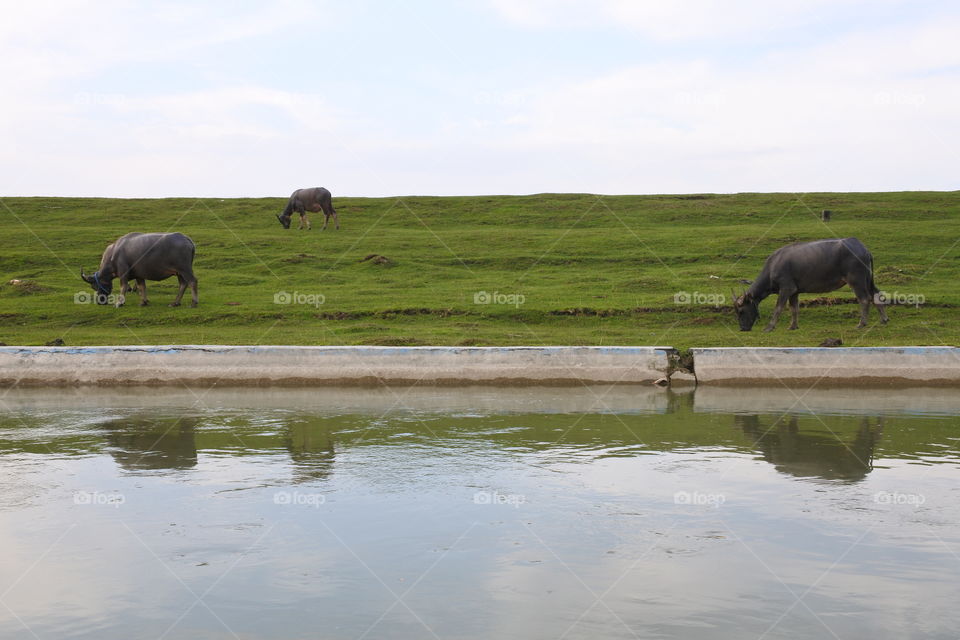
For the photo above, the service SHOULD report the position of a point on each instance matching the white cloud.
(868, 111)
(677, 20)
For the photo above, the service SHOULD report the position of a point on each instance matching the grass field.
(527, 270)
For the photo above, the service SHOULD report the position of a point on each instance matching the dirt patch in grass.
(399, 341)
(26, 286)
(587, 311)
(422, 311)
(827, 302)
(389, 313)
(608, 313)
(889, 274)
(300, 257)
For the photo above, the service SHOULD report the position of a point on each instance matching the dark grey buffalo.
(313, 199)
(811, 267)
(142, 257)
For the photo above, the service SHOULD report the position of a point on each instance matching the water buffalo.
(811, 267)
(141, 257)
(303, 200)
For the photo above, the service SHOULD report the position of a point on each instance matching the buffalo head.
(284, 220)
(747, 311)
(102, 286)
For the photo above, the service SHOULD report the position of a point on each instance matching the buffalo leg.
(183, 287)
(864, 312)
(882, 311)
(330, 212)
(304, 219)
(864, 298)
(863, 289)
(794, 309)
(142, 286)
(777, 310)
(124, 285)
(187, 279)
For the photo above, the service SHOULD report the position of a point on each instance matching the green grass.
(591, 271)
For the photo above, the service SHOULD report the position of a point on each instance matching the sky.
(462, 97)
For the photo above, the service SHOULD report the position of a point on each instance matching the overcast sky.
(230, 99)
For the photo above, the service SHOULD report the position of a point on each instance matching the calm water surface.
(479, 513)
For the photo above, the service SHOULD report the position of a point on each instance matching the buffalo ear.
(85, 277)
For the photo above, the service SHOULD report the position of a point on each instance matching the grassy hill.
(499, 270)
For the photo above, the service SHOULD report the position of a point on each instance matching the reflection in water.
(813, 453)
(311, 451)
(139, 444)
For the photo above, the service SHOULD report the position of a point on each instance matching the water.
(604, 512)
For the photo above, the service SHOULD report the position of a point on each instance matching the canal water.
(593, 512)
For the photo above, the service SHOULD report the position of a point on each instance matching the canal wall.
(322, 365)
(828, 366)
(271, 365)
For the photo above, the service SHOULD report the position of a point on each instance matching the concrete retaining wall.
(275, 365)
(928, 366)
(331, 365)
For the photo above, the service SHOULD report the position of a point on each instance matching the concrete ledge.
(861, 366)
(270, 365)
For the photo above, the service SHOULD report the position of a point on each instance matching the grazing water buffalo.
(304, 200)
(141, 257)
(811, 267)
